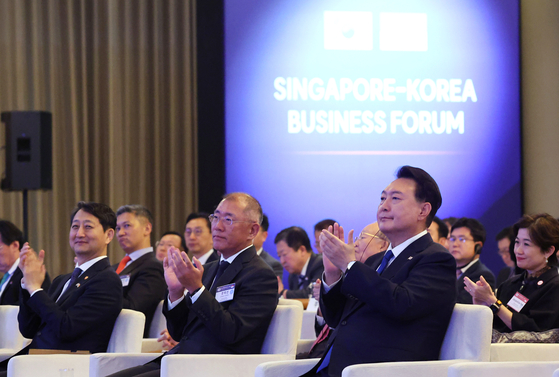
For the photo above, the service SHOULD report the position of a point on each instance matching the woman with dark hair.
(529, 301)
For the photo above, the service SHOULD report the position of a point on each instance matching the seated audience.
(167, 240)
(198, 237)
(466, 242)
(505, 239)
(140, 272)
(11, 241)
(259, 240)
(529, 301)
(439, 231)
(318, 227)
(296, 256)
(236, 320)
(80, 309)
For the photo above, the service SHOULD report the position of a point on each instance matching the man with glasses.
(198, 237)
(465, 243)
(225, 306)
(369, 242)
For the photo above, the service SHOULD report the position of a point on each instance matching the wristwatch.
(496, 306)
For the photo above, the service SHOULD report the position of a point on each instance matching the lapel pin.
(85, 278)
(540, 282)
(78, 285)
(410, 258)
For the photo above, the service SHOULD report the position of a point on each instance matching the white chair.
(290, 301)
(280, 343)
(508, 369)
(524, 352)
(556, 373)
(468, 337)
(126, 337)
(158, 324)
(49, 366)
(307, 327)
(11, 340)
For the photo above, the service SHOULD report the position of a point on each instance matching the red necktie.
(122, 264)
(323, 335)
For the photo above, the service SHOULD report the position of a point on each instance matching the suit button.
(344, 323)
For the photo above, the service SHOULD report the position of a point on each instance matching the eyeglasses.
(461, 239)
(197, 232)
(360, 236)
(226, 220)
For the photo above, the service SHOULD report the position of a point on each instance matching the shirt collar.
(259, 251)
(89, 263)
(232, 257)
(13, 268)
(204, 258)
(401, 247)
(304, 270)
(139, 253)
(465, 268)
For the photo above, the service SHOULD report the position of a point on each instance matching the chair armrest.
(304, 345)
(151, 345)
(524, 351)
(103, 364)
(48, 365)
(435, 368)
(215, 365)
(509, 369)
(285, 368)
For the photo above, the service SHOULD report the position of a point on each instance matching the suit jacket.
(274, 264)
(146, 286)
(213, 257)
(400, 315)
(10, 296)
(314, 271)
(474, 272)
(82, 319)
(237, 326)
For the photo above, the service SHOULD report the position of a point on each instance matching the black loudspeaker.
(28, 150)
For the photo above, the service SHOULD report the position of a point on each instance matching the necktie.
(5, 278)
(122, 264)
(302, 280)
(220, 270)
(387, 256)
(323, 335)
(458, 273)
(72, 281)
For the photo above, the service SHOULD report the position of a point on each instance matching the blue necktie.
(220, 270)
(73, 279)
(387, 256)
(5, 278)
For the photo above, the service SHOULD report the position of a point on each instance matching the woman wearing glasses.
(529, 301)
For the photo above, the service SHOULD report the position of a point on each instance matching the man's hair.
(451, 220)
(324, 224)
(426, 189)
(137, 209)
(506, 233)
(544, 232)
(183, 243)
(265, 223)
(10, 233)
(253, 209)
(294, 237)
(199, 215)
(103, 212)
(476, 228)
(443, 229)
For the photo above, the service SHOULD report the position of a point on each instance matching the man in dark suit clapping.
(396, 305)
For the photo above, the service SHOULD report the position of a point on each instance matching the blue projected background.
(326, 99)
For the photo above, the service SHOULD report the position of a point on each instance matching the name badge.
(517, 301)
(125, 280)
(225, 293)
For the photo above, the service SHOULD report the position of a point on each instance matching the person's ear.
(425, 210)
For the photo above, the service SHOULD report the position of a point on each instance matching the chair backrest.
(158, 323)
(10, 337)
(284, 330)
(290, 301)
(128, 332)
(469, 333)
